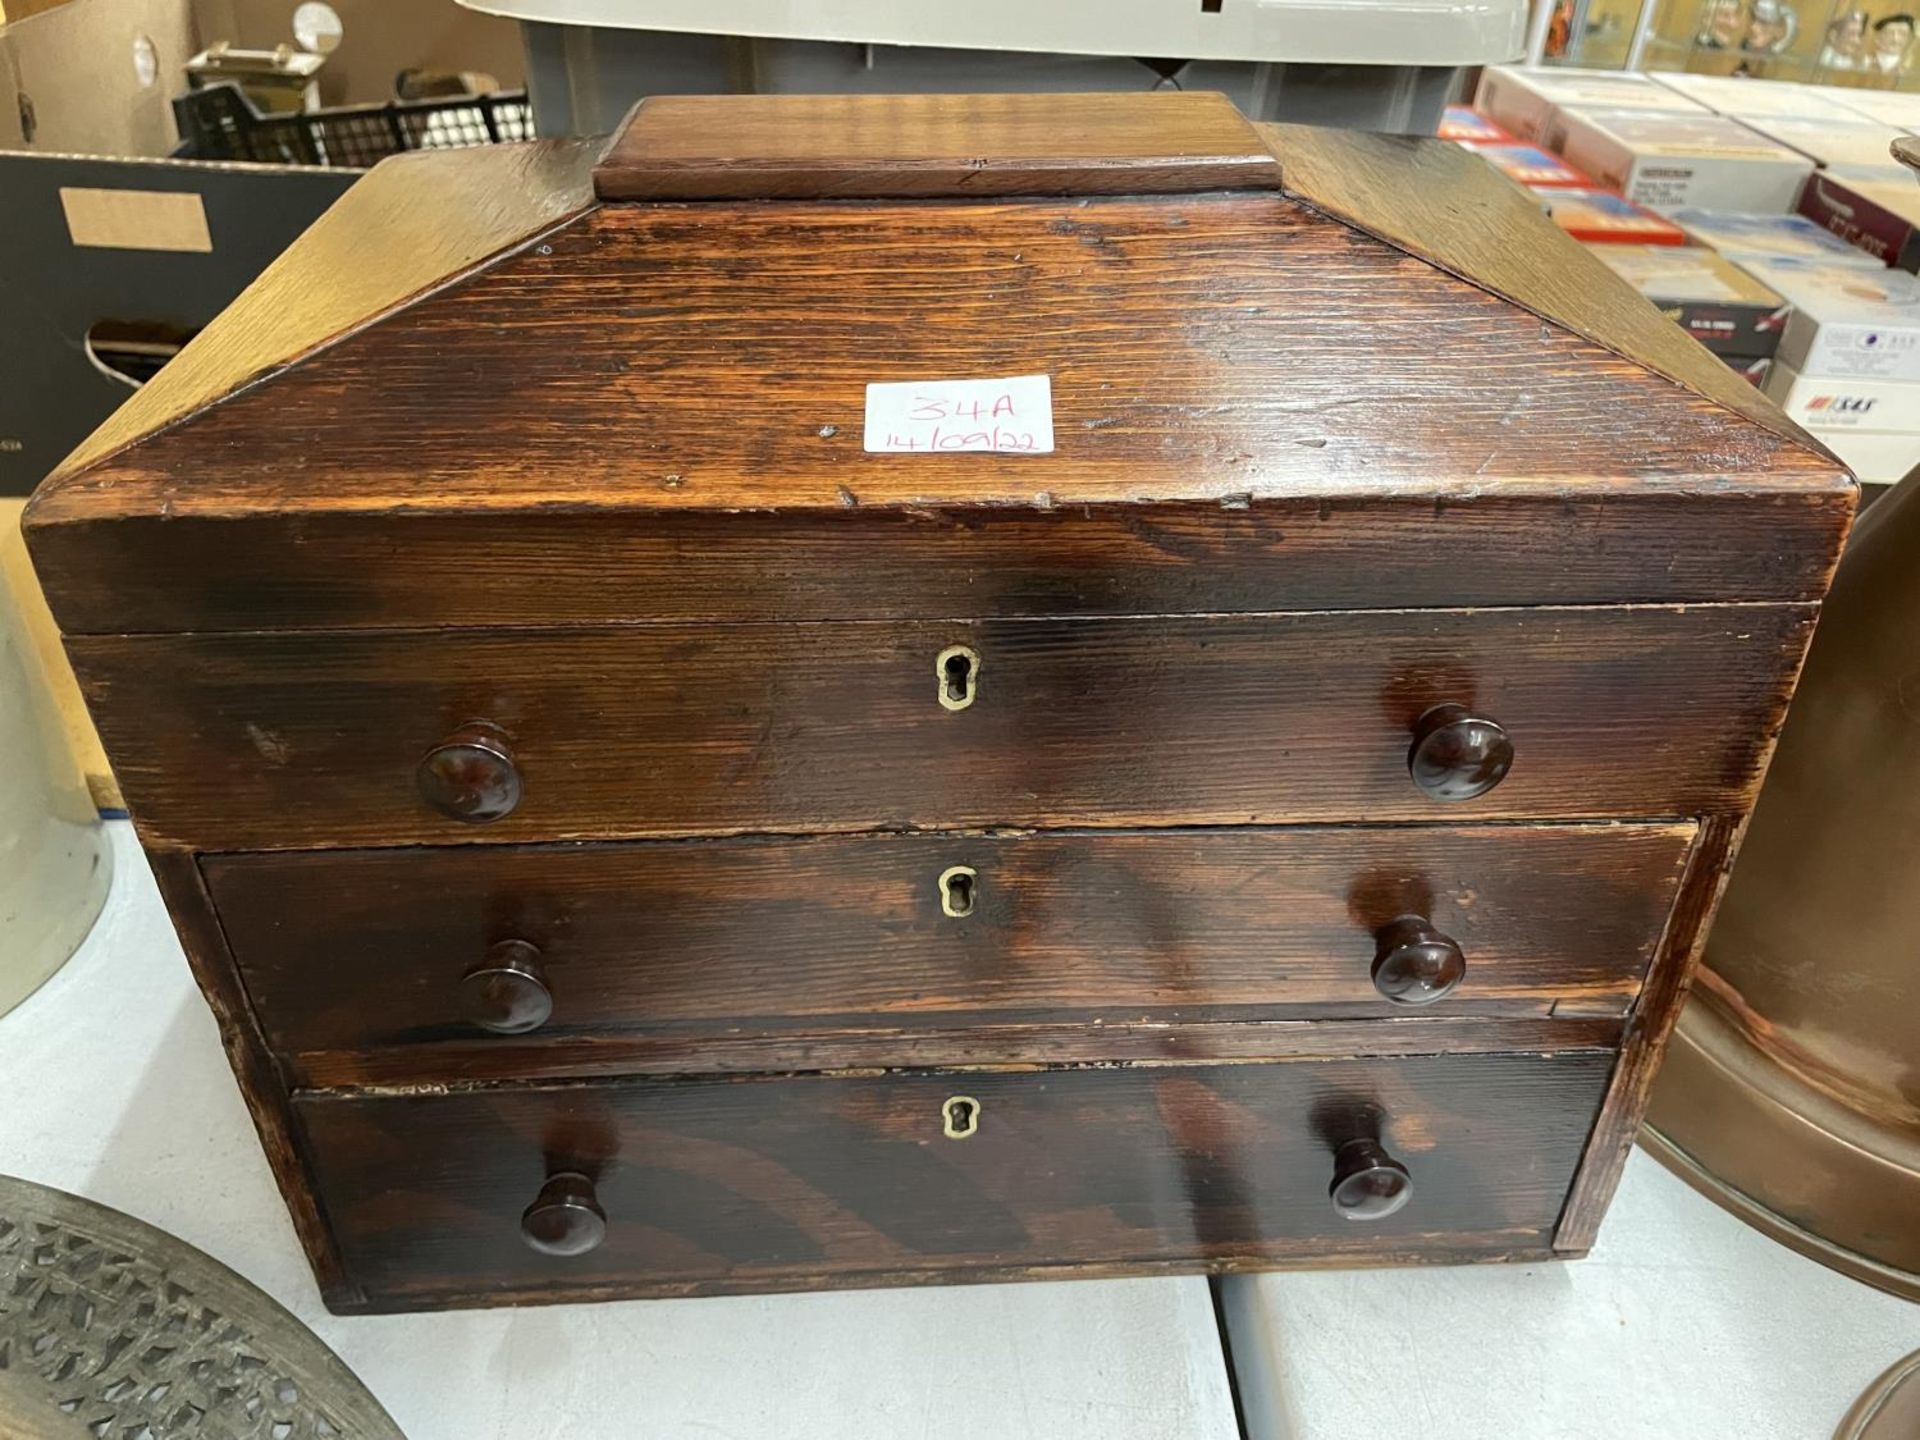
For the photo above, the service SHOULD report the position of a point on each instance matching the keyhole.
(959, 670)
(961, 1117)
(957, 887)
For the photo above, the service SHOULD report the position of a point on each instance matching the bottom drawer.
(802, 1182)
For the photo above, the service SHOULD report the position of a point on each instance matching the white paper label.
(928, 416)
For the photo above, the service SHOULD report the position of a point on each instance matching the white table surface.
(1683, 1322)
(112, 1085)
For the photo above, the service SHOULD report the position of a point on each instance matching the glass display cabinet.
(1864, 43)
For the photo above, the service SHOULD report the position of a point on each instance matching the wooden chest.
(645, 831)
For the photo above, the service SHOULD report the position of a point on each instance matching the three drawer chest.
(855, 691)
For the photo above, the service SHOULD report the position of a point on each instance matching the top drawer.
(270, 741)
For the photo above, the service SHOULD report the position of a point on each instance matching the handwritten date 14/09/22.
(1008, 414)
(945, 423)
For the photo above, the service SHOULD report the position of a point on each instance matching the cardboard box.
(1524, 100)
(1749, 99)
(1742, 237)
(1876, 457)
(1529, 164)
(1600, 217)
(1899, 108)
(1667, 161)
(1847, 321)
(1458, 122)
(1827, 403)
(1720, 305)
(1878, 216)
(1858, 144)
(103, 259)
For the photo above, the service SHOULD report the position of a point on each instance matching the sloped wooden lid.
(469, 333)
(1448, 207)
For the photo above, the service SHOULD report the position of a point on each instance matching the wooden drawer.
(701, 940)
(806, 1181)
(271, 741)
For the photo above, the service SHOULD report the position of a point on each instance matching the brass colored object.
(1890, 1407)
(1791, 1092)
(960, 1117)
(959, 888)
(123, 1330)
(958, 667)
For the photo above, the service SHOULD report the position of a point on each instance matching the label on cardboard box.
(1823, 403)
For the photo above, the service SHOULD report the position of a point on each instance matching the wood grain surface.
(744, 147)
(414, 222)
(1444, 204)
(787, 1183)
(381, 569)
(1645, 1042)
(366, 949)
(1228, 349)
(192, 912)
(922, 1042)
(245, 742)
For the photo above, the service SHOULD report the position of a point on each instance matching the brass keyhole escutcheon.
(958, 887)
(960, 1117)
(958, 667)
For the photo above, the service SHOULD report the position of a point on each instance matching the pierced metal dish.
(109, 1327)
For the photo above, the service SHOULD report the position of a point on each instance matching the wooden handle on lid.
(815, 147)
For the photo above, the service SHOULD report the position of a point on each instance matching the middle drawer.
(544, 945)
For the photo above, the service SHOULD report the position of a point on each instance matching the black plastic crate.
(221, 123)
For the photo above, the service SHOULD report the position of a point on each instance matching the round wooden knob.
(565, 1218)
(471, 776)
(507, 991)
(1368, 1183)
(1415, 964)
(1458, 755)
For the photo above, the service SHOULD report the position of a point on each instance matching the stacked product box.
(1741, 237)
(1748, 99)
(1720, 305)
(1459, 122)
(1528, 164)
(1848, 364)
(1665, 161)
(1586, 211)
(1525, 100)
(1876, 212)
(1898, 108)
(1602, 217)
